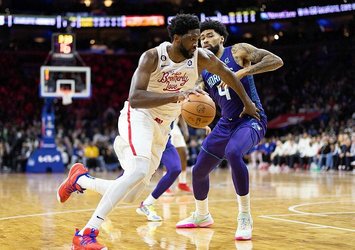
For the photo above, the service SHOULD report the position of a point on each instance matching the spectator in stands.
(267, 148)
(92, 158)
(194, 149)
(310, 153)
(63, 151)
(345, 154)
(255, 155)
(352, 151)
(110, 158)
(78, 152)
(326, 156)
(2, 152)
(291, 151)
(277, 157)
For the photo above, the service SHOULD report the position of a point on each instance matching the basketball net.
(67, 97)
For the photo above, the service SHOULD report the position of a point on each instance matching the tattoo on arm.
(262, 60)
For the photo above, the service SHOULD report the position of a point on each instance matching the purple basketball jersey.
(227, 99)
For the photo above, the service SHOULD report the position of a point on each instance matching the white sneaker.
(195, 221)
(245, 227)
(149, 211)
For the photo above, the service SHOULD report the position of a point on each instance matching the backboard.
(65, 82)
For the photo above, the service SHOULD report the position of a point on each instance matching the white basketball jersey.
(171, 77)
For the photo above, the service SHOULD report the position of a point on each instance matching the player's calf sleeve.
(200, 174)
(240, 173)
(171, 161)
(243, 140)
(119, 189)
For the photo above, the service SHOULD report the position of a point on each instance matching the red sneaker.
(184, 187)
(69, 185)
(87, 241)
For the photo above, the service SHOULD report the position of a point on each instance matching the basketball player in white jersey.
(164, 78)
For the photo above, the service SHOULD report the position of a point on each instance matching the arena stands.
(318, 76)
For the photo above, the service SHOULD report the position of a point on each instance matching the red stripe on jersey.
(130, 130)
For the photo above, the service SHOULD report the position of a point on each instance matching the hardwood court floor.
(291, 211)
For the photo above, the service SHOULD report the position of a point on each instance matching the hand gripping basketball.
(198, 110)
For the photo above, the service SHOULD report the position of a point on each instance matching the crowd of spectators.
(318, 78)
(324, 152)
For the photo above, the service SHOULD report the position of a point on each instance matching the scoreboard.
(63, 45)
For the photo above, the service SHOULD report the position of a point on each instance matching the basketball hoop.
(67, 96)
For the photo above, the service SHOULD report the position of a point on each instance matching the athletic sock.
(150, 200)
(95, 184)
(202, 207)
(182, 177)
(244, 203)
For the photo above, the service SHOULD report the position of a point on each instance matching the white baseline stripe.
(306, 223)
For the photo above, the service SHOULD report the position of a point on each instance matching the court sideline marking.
(312, 225)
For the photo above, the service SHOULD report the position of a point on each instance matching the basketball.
(198, 111)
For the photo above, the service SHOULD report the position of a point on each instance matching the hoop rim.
(66, 95)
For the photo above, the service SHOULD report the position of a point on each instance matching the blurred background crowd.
(318, 77)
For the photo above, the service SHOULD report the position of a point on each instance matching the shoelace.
(244, 223)
(89, 238)
(80, 190)
(73, 188)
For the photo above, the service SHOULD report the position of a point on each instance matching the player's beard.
(214, 49)
(185, 52)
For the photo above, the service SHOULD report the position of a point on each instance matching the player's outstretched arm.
(139, 97)
(254, 60)
(207, 60)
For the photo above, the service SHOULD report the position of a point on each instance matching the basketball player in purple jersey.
(234, 135)
(165, 77)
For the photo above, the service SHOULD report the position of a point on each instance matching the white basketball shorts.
(177, 139)
(140, 136)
